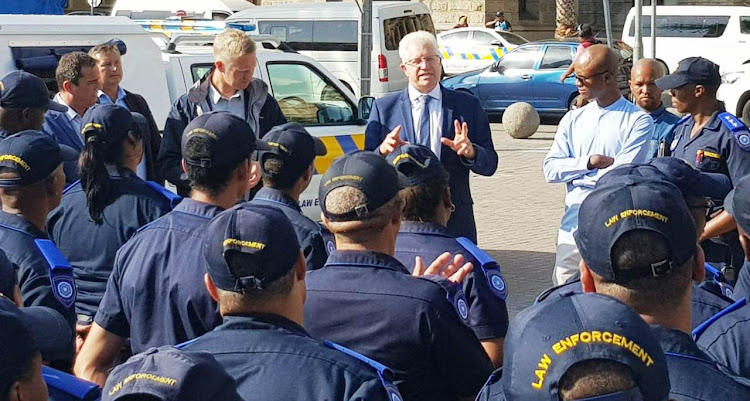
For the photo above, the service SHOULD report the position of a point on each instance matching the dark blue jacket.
(395, 109)
(273, 358)
(308, 232)
(369, 302)
(156, 295)
(91, 247)
(488, 314)
(192, 104)
(57, 125)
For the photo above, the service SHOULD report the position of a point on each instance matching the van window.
(745, 25)
(680, 26)
(396, 28)
(314, 35)
(199, 71)
(305, 96)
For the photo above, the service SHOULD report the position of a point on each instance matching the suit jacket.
(395, 109)
(57, 125)
(151, 139)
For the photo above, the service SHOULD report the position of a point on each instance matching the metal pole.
(92, 8)
(653, 28)
(608, 22)
(365, 49)
(638, 45)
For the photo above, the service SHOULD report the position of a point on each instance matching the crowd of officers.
(113, 286)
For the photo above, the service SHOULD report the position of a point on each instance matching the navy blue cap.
(170, 374)
(21, 90)
(263, 232)
(49, 330)
(295, 146)
(546, 339)
(8, 279)
(692, 70)
(689, 180)
(417, 164)
(231, 139)
(33, 155)
(369, 173)
(16, 346)
(107, 123)
(737, 204)
(634, 203)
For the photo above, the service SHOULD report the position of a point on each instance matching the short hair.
(105, 48)
(232, 43)
(211, 180)
(421, 201)
(346, 199)
(418, 38)
(638, 250)
(251, 299)
(595, 377)
(70, 68)
(275, 175)
(15, 197)
(25, 373)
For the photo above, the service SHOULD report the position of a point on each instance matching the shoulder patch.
(738, 128)
(384, 373)
(454, 294)
(173, 198)
(489, 267)
(60, 272)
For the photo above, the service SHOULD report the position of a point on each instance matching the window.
(520, 58)
(455, 38)
(306, 97)
(512, 38)
(198, 71)
(314, 35)
(482, 39)
(557, 57)
(678, 26)
(745, 25)
(396, 28)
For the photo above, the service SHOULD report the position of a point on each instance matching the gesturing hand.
(391, 142)
(461, 143)
(451, 268)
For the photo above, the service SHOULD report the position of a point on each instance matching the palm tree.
(565, 17)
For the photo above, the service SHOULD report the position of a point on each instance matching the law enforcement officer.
(580, 346)
(168, 374)
(31, 184)
(365, 299)
(638, 243)
(423, 234)
(287, 171)
(23, 102)
(21, 370)
(737, 206)
(156, 295)
(256, 272)
(106, 207)
(712, 140)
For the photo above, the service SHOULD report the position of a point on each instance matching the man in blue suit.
(452, 124)
(77, 77)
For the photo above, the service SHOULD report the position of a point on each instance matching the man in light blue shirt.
(647, 96)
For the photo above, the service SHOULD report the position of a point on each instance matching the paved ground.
(517, 214)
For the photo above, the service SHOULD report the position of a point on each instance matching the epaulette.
(720, 280)
(60, 272)
(698, 331)
(173, 198)
(384, 373)
(70, 385)
(489, 267)
(738, 128)
(69, 187)
(683, 119)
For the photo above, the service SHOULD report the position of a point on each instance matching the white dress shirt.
(74, 119)
(436, 115)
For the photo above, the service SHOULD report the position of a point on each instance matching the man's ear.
(184, 166)
(254, 174)
(699, 261)
(403, 68)
(211, 287)
(219, 65)
(325, 222)
(67, 86)
(587, 278)
(300, 267)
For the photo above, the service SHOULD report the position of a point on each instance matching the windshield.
(513, 38)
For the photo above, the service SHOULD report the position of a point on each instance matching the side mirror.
(497, 43)
(364, 107)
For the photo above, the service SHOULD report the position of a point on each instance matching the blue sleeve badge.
(738, 128)
(172, 197)
(454, 294)
(60, 272)
(489, 267)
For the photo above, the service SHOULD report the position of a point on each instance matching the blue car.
(530, 73)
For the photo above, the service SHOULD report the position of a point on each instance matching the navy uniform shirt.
(692, 373)
(488, 314)
(91, 247)
(703, 303)
(17, 237)
(273, 358)
(726, 340)
(308, 232)
(742, 287)
(156, 295)
(368, 301)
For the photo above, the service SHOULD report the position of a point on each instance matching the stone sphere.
(520, 120)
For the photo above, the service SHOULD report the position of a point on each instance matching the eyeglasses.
(707, 205)
(584, 80)
(417, 62)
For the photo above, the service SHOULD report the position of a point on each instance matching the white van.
(718, 33)
(330, 33)
(163, 9)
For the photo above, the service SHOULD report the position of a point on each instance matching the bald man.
(609, 131)
(647, 96)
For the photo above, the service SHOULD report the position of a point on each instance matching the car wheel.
(746, 113)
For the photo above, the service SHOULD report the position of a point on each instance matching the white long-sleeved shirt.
(621, 131)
